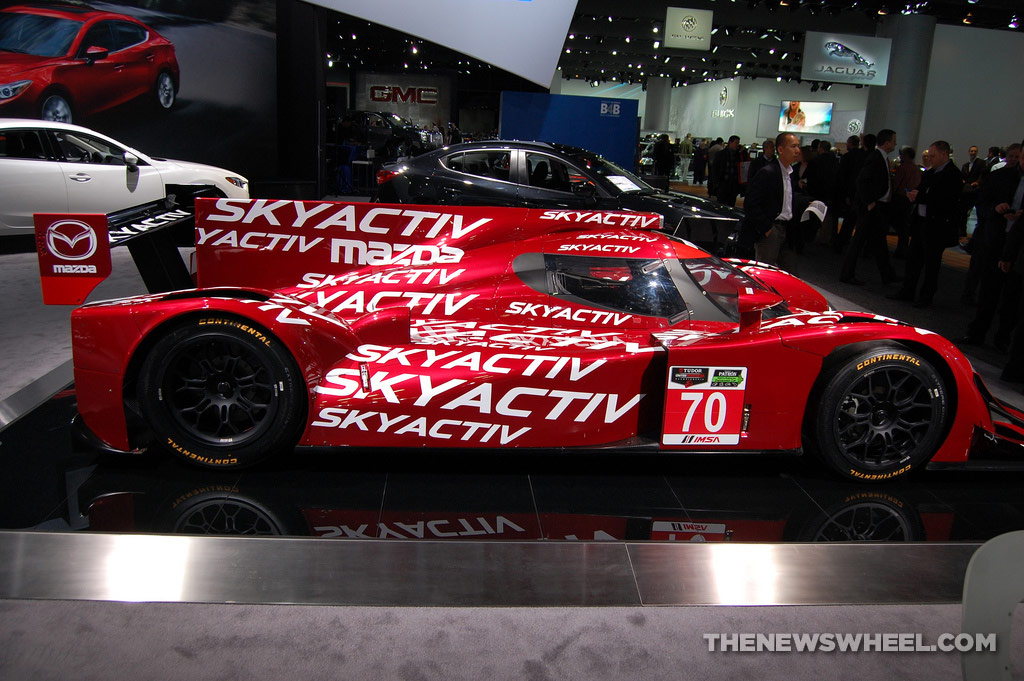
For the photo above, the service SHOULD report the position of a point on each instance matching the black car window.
(36, 35)
(78, 147)
(98, 36)
(615, 178)
(127, 34)
(489, 163)
(635, 285)
(548, 172)
(22, 144)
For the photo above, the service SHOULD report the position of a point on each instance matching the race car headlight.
(424, 137)
(9, 90)
(239, 182)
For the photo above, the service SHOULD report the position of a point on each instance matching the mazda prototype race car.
(369, 325)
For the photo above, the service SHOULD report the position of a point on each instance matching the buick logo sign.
(71, 240)
(855, 126)
(723, 96)
(689, 23)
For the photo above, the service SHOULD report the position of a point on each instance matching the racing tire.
(882, 413)
(221, 393)
(164, 92)
(56, 107)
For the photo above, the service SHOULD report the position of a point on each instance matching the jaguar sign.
(838, 58)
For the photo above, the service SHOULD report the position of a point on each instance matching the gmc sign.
(412, 95)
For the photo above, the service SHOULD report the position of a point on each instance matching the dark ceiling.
(615, 41)
(612, 41)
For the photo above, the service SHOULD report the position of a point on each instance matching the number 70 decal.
(704, 405)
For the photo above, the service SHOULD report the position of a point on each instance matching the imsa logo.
(701, 440)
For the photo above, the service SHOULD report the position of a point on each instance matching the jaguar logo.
(855, 126)
(689, 23)
(723, 96)
(835, 49)
(71, 240)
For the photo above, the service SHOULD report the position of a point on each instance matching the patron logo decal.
(71, 240)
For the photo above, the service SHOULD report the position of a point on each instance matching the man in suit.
(972, 172)
(999, 290)
(873, 193)
(725, 168)
(768, 207)
(766, 156)
(935, 218)
(849, 166)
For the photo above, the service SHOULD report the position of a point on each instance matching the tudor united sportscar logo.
(71, 240)
(689, 23)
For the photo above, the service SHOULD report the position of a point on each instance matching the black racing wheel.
(222, 393)
(881, 414)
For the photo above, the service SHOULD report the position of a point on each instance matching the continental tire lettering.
(245, 328)
(889, 357)
(230, 489)
(199, 457)
(879, 476)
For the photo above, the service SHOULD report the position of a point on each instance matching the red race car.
(372, 325)
(61, 61)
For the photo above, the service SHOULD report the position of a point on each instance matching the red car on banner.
(63, 61)
(370, 325)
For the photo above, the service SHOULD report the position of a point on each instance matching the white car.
(49, 167)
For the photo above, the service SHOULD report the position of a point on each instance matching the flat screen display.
(805, 117)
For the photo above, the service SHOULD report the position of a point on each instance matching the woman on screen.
(794, 116)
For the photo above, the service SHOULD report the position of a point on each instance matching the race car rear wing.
(74, 258)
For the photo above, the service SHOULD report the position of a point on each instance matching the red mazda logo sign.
(71, 240)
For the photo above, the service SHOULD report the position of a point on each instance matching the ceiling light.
(883, 10)
(627, 38)
(657, 44)
(969, 19)
(714, 30)
(739, 64)
(1014, 22)
(778, 79)
(572, 36)
(655, 29)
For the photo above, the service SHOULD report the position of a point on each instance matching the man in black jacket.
(935, 217)
(725, 169)
(768, 206)
(766, 156)
(999, 290)
(874, 190)
(849, 167)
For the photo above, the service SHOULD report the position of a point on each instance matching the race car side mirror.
(132, 161)
(752, 303)
(390, 326)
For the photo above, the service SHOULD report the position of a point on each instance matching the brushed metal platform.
(158, 568)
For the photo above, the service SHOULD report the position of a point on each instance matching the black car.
(541, 175)
(388, 134)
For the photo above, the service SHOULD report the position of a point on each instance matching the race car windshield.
(722, 283)
(37, 35)
(635, 285)
(621, 180)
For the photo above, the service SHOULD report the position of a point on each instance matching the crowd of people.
(927, 204)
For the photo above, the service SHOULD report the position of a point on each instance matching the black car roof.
(522, 144)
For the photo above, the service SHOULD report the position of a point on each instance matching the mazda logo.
(71, 240)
